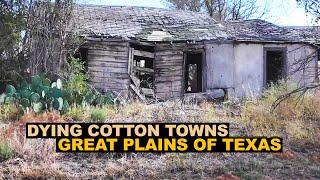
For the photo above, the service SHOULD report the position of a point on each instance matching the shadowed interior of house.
(193, 72)
(82, 55)
(275, 66)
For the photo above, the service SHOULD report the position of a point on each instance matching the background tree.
(224, 10)
(12, 28)
(33, 37)
(47, 34)
(312, 7)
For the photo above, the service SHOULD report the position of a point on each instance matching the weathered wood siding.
(168, 72)
(108, 66)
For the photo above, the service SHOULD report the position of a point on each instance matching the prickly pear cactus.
(41, 94)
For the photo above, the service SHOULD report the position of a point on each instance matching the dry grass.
(295, 119)
(87, 113)
(298, 124)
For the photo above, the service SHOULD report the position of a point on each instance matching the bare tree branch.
(223, 10)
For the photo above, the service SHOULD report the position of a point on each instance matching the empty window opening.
(275, 66)
(141, 69)
(193, 73)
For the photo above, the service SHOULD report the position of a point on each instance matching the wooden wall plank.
(107, 69)
(143, 54)
(97, 52)
(110, 48)
(107, 80)
(141, 69)
(108, 75)
(168, 72)
(170, 58)
(108, 65)
(109, 85)
(168, 78)
(108, 59)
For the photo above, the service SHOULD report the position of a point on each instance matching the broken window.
(193, 72)
(141, 71)
(275, 65)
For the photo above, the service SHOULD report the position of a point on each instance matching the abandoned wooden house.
(172, 53)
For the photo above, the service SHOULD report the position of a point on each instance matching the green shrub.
(9, 112)
(77, 114)
(5, 151)
(98, 114)
(76, 79)
(80, 91)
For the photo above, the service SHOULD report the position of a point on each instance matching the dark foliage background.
(34, 38)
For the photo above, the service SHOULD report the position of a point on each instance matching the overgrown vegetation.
(298, 124)
(49, 99)
(289, 119)
(41, 94)
(9, 112)
(98, 115)
(88, 113)
(70, 98)
(12, 23)
(5, 151)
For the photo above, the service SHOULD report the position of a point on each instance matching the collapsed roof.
(157, 24)
(149, 24)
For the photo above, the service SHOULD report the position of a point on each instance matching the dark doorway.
(193, 72)
(82, 55)
(275, 65)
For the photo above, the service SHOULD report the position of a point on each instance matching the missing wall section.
(141, 70)
(193, 72)
(275, 65)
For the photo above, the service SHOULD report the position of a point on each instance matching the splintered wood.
(140, 67)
